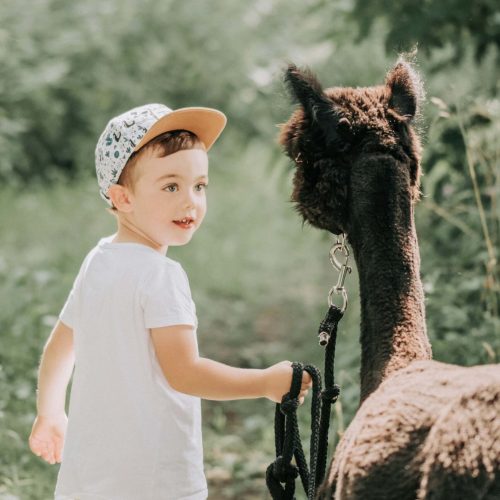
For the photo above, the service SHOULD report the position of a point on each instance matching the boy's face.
(168, 202)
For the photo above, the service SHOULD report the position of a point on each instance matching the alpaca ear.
(306, 89)
(403, 86)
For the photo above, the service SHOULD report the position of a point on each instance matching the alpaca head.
(332, 133)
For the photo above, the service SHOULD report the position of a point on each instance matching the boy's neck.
(127, 232)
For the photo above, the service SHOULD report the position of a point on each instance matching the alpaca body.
(430, 431)
(424, 429)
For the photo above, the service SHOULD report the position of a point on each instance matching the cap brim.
(206, 123)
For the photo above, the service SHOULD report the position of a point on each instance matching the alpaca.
(424, 429)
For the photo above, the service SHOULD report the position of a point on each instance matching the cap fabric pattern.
(128, 132)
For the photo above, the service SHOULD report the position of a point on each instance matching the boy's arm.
(49, 428)
(187, 372)
(55, 371)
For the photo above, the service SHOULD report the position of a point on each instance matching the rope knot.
(289, 405)
(284, 471)
(330, 394)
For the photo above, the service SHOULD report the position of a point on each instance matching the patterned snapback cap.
(126, 133)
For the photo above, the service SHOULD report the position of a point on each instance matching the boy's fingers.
(58, 451)
(44, 454)
(52, 453)
(48, 453)
(37, 447)
(306, 378)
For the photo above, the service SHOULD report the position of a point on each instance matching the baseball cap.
(126, 133)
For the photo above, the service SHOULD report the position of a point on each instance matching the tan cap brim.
(206, 123)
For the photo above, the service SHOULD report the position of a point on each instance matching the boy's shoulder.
(132, 252)
(124, 264)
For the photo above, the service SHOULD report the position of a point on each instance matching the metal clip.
(339, 246)
(343, 269)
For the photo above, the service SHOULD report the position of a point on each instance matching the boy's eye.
(201, 186)
(171, 188)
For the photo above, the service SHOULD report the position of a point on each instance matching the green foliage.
(432, 24)
(67, 67)
(258, 277)
(459, 216)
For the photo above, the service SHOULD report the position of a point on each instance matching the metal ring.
(339, 291)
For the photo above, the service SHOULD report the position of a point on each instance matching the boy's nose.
(189, 201)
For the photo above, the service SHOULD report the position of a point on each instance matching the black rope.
(287, 436)
(331, 393)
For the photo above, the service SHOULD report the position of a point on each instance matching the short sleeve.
(166, 298)
(68, 312)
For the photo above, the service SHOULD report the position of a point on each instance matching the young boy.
(129, 325)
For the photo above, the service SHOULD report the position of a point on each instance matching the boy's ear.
(120, 196)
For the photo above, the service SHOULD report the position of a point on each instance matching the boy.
(129, 326)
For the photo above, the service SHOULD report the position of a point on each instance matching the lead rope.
(287, 436)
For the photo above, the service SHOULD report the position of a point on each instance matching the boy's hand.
(47, 437)
(278, 379)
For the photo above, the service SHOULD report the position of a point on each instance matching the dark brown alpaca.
(424, 429)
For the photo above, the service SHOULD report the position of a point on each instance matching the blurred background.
(258, 276)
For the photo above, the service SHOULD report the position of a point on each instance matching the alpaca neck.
(385, 247)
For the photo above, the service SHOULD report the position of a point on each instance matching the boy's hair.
(166, 144)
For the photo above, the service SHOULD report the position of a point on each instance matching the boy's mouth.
(185, 223)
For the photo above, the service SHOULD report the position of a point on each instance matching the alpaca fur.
(424, 429)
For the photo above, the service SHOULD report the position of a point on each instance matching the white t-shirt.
(130, 436)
